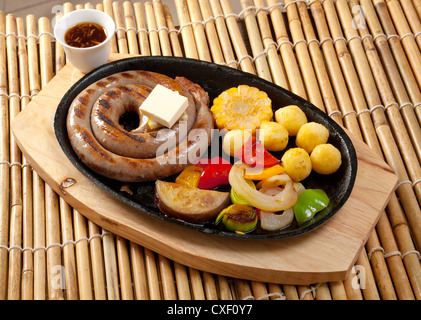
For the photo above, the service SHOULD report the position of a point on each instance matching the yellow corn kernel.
(242, 107)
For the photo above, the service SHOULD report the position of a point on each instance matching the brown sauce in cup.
(85, 34)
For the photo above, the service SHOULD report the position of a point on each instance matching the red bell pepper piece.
(215, 173)
(254, 154)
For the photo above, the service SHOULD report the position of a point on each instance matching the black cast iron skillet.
(215, 79)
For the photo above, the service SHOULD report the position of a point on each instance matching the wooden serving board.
(325, 254)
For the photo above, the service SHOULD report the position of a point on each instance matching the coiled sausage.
(141, 154)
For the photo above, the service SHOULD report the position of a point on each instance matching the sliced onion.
(271, 221)
(283, 200)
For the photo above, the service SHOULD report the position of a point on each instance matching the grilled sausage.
(141, 154)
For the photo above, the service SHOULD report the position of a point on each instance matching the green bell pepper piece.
(309, 202)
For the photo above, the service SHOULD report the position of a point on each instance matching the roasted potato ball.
(297, 163)
(273, 135)
(234, 139)
(310, 135)
(292, 117)
(325, 159)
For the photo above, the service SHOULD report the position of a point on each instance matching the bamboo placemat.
(359, 61)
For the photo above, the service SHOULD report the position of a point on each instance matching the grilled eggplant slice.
(188, 203)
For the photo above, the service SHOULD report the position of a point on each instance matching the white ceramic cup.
(86, 59)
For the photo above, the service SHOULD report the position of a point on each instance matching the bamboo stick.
(260, 62)
(15, 219)
(293, 72)
(395, 80)
(303, 56)
(352, 292)
(152, 27)
(322, 292)
(84, 280)
(367, 282)
(383, 19)
(412, 18)
(242, 289)
(209, 286)
(131, 27)
(69, 260)
(97, 262)
(211, 33)
(167, 278)
(182, 281)
(108, 9)
(259, 290)
(276, 67)
(394, 262)
(139, 272)
(334, 71)
(121, 34)
(54, 264)
(27, 282)
(162, 27)
(417, 6)
(173, 33)
(5, 157)
(403, 29)
(320, 69)
(199, 31)
(223, 35)
(240, 49)
(225, 292)
(275, 291)
(152, 274)
(125, 279)
(190, 48)
(383, 279)
(402, 234)
(384, 94)
(55, 277)
(304, 293)
(56, 282)
(337, 290)
(142, 33)
(38, 185)
(110, 263)
(59, 51)
(196, 284)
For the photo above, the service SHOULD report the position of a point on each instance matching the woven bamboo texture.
(357, 60)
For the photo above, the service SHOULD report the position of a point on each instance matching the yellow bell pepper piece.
(190, 176)
(256, 173)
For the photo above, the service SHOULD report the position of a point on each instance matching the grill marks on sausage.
(84, 100)
(87, 138)
(111, 123)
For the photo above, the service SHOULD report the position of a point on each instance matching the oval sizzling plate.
(214, 79)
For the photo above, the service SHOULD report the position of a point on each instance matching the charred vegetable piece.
(190, 176)
(309, 202)
(238, 218)
(189, 204)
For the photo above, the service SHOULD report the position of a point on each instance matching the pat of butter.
(164, 106)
